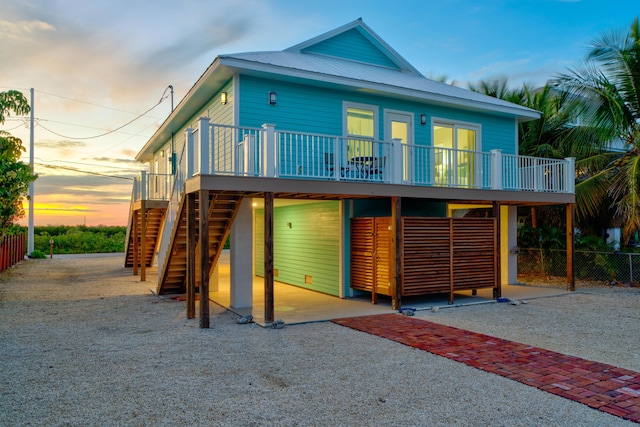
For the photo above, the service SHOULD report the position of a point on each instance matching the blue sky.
(95, 65)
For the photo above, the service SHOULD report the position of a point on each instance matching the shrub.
(36, 254)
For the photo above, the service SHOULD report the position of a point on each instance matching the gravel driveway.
(85, 343)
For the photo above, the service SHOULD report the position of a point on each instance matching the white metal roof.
(351, 73)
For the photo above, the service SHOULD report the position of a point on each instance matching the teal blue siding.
(309, 247)
(309, 109)
(409, 207)
(352, 45)
(302, 108)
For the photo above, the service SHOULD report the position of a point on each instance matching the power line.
(83, 171)
(8, 130)
(90, 103)
(86, 164)
(106, 133)
(82, 126)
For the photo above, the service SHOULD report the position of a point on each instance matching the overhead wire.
(91, 103)
(85, 164)
(83, 171)
(13, 128)
(106, 133)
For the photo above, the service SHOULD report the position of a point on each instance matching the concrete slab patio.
(297, 305)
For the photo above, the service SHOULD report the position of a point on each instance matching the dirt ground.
(84, 342)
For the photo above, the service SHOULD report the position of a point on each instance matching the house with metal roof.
(336, 166)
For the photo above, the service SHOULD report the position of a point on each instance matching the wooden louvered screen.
(382, 255)
(426, 256)
(362, 248)
(439, 255)
(448, 254)
(474, 248)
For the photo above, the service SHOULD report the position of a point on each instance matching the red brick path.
(598, 385)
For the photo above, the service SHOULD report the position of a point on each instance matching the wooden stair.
(155, 217)
(222, 208)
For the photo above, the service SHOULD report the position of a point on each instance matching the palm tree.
(610, 80)
(554, 135)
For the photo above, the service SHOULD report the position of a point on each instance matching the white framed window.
(456, 145)
(360, 126)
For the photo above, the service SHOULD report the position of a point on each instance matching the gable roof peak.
(369, 34)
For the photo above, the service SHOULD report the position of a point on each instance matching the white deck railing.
(264, 152)
(152, 186)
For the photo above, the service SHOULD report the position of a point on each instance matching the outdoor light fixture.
(272, 98)
(223, 98)
(423, 119)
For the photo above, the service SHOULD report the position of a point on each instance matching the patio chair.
(329, 165)
(377, 167)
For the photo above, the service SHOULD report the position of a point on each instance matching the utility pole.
(31, 185)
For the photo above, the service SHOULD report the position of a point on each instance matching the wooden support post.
(143, 240)
(203, 237)
(571, 282)
(396, 253)
(191, 255)
(136, 240)
(451, 262)
(269, 312)
(497, 290)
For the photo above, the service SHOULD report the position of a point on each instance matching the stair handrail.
(130, 221)
(174, 202)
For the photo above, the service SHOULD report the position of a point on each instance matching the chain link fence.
(603, 267)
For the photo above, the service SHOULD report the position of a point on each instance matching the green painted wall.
(310, 246)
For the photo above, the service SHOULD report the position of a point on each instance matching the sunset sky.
(98, 65)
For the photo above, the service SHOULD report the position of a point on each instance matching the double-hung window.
(361, 124)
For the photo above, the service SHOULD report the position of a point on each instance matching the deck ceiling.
(339, 190)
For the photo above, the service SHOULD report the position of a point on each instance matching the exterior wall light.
(272, 98)
(423, 119)
(223, 98)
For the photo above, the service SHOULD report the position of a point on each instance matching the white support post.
(397, 167)
(337, 158)
(496, 169)
(241, 257)
(509, 236)
(190, 153)
(570, 175)
(204, 144)
(269, 151)
(249, 145)
(537, 175)
(136, 189)
(143, 185)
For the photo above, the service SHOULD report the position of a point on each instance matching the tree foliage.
(79, 239)
(609, 79)
(556, 134)
(15, 176)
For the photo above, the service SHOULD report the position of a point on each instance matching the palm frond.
(591, 196)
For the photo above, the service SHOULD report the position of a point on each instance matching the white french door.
(399, 125)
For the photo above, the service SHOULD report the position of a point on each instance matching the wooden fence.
(12, 250)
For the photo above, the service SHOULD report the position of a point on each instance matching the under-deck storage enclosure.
(438, 255)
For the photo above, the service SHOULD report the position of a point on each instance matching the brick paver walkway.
(598, 385)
